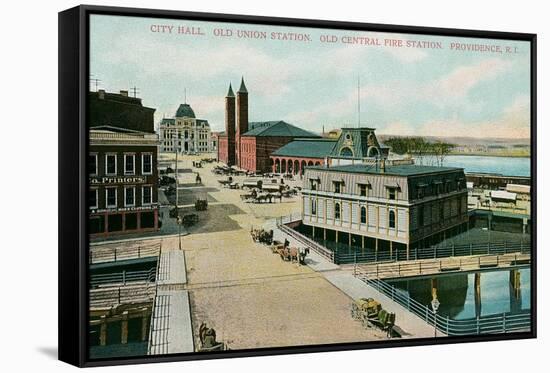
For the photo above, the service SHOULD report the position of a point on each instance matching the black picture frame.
(73, 181)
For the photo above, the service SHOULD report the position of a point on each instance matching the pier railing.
(348, 255)
(304, 240)
(124, 294)
(122, 277)
(345, 254)
(99, 254)
(340, 253)
(441, 265)
(494, 324)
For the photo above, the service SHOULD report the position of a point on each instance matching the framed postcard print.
(236, 186)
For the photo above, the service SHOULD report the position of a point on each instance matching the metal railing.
(98, 254)
(124, 294)
(445, 265)
(348, 255)
(341, 253)
(311, 244)
(494, 324)
(123, 277)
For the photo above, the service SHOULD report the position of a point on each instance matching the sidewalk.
(171, 327)
(407, 324)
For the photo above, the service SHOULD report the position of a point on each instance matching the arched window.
(373, 152)
(337, 211)
(346, 152)
(363, 215)
(313, 207)
(392, 219)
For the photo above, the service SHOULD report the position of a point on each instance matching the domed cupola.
(185, 111)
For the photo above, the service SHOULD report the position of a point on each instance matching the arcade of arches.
(294, 166)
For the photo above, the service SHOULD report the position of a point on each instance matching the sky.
(314, 84)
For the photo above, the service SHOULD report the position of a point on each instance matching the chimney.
(124, 93)
(101, 94)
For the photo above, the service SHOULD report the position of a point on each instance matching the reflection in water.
(466, 296)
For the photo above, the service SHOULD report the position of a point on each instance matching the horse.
(303, 252)
(294, 255)
(284, 253)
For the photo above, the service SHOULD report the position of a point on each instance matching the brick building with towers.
(249, 145)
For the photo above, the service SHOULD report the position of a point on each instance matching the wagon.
(190, 219)
(201, 204)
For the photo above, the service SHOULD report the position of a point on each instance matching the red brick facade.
(249, 152)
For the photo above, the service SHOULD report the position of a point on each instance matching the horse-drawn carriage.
(371, 314)
(252, 184)
(292, 254)
(262, 236)
(201, 204)
(226, 182)
(190, 219)
(165, 180)
(208, 342)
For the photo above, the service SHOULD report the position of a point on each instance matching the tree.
(441, 150)
(420, 148)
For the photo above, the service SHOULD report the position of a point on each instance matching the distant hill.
(469, 141)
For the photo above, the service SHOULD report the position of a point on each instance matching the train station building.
(294, 157)
(249, 145)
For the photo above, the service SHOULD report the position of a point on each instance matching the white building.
(186, 132)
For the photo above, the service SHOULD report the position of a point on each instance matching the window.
(392, 219)
(110, 197)
(337, 211)
(346, 152)
(440, 188)
(93, 198)
(147, 164)
(338, 186)
(313, 184)
(392, 193)
(147, 195)
(110, 164)
(313, 207)
(92, 164)
(363, 190)
(420, 192)
(129, 196)
(363, 215)
(129, 164)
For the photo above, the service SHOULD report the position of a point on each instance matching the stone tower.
(242, 118)
(230, 125)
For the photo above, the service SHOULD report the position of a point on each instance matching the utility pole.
(95, 81)
(176, 171)
(358, 101)
(135, 90)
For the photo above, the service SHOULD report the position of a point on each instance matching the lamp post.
(179, 221)
(435, 307)
(176, 168)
